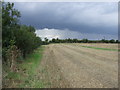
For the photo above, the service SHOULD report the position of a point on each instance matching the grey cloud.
(63, 34)
(97, 18)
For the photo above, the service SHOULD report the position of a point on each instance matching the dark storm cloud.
(99, 18)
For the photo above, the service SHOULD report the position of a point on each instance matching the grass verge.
(26, 77)
(101, 48)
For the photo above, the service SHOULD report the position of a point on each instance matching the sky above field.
(92, 20)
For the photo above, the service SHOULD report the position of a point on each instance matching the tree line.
(17, 40)
(57, 40)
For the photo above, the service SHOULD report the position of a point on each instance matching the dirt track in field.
(73, 66)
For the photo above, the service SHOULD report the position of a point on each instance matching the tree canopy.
(13, 33)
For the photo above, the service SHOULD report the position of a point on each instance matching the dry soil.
(73, 66)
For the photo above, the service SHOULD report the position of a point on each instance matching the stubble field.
(80, 66)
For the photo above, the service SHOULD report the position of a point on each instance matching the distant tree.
(112, 41)
(53, 40)
(69, 40)
(116, 41)
(103, 40)
(85, 40)
(74, 40)
(46, 41)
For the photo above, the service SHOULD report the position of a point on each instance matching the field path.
(73, 66)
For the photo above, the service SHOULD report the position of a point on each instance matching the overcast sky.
(92, 20)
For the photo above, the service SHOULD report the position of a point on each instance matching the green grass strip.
(101, 48)
(29, 65)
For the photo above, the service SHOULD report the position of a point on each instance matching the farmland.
(78, 66)
(58, 48)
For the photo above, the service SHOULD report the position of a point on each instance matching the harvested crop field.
(78, 66)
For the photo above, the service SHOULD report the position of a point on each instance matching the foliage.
(46, 41)
(12, 54)
(26, 39)
(57, 40)
(23, 37)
